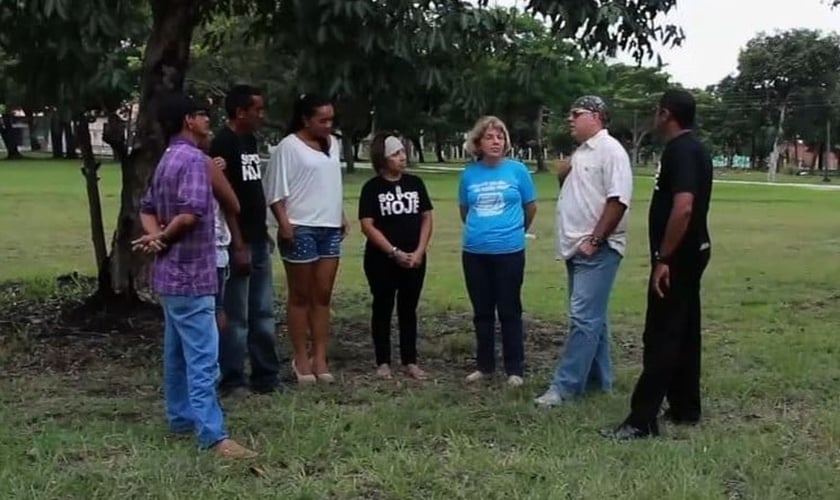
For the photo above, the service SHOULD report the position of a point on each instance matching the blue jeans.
(586, 361)
(494, 283)
(191, 367)
(249, 307)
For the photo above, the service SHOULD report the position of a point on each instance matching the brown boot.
(228, 448)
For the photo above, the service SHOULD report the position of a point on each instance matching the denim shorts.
(223, 274)
(312, 244)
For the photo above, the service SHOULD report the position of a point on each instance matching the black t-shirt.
(245, 177)
(686, 167)
(396, 208)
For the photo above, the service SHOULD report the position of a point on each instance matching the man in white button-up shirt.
(591, 238)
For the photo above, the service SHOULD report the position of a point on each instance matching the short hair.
(680, 103)
(481, 126)
(377, 150)
(240, 97)
(174, 108)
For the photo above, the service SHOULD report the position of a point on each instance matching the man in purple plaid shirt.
(177, 213)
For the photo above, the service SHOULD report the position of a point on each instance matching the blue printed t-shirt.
(494, 197)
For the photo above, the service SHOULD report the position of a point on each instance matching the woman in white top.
(303, 187)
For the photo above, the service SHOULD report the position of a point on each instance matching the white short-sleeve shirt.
(310, 182)
(600, 170)
(222, 236)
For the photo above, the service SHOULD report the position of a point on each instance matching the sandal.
(303, 379)
(416, 372)
(384, 372)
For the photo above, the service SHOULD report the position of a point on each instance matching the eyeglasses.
(575, 113)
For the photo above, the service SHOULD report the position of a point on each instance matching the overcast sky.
(716, 30)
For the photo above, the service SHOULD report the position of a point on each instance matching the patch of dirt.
(68, 334)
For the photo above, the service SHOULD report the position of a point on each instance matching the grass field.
(771, 375)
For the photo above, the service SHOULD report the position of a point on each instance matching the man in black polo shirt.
(249, 293)
(680, 251)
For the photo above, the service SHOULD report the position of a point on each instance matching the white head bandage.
(392, 145)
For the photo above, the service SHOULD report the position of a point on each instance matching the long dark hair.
(303, 108)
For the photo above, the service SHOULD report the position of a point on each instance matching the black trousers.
(494, 284)
(671, 360)
(389, 283)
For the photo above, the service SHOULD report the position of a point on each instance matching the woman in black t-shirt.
(396, 217)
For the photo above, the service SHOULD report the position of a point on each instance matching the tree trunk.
(34, 143)
(90, 170)
(164, 66)
(441, 157)
(349, 156)
(409, 152)
(538, 132)
(421, 158)
(7, 133)
(773, 162)
(818, 157)
(56, 137)
(638, 137)
(70, 143)
(114, 136)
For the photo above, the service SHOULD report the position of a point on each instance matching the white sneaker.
(550, 398)
(474, 376)
(515, 381)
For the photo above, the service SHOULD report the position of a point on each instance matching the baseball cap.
(175, 107)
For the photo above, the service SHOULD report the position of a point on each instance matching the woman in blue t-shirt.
(498, 203)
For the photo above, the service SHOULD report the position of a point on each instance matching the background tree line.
(427, 69)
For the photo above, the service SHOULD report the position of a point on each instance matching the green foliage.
(781, 63)
(606, 27)
(78, 54)
(795, 70)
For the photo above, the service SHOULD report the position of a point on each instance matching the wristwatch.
(659, 258)
(393, 252)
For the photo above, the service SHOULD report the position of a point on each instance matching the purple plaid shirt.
(181, 185)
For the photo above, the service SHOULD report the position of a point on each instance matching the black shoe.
(268, 389)
(673, 418)
(627, 432)
(234, 393)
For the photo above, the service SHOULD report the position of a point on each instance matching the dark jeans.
(249, 306)
(494, 283)
(389, 282)
(671, 359)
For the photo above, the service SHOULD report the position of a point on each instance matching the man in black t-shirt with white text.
(680, 249)
(249, 293)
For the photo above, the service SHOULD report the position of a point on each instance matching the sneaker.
(515, 381)
(474, 376)
(550, 398)
(228, 448)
